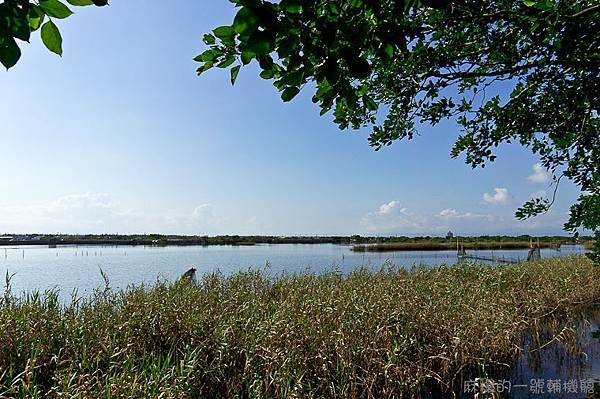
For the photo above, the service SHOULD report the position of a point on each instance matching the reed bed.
(441, 246)
(384, 334)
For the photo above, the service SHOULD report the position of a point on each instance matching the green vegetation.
(362, 335)
(508, 71)
(20, 18)
(442, 246)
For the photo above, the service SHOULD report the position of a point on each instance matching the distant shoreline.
(163, 243)
(358, 243)
(415, 246)
(132, 243)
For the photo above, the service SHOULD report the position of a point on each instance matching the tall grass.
(378, 335)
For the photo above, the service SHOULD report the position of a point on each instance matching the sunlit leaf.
(51, 37)
(55, 9)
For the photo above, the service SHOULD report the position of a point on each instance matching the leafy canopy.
(19, 18)
(393, 65)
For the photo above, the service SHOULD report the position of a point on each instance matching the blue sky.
(120, 135)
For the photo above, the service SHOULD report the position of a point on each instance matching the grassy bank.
(363, 335)
(441, 246)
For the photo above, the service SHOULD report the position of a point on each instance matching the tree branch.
(584, 12)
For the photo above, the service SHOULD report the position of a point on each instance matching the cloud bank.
(391, 218)
(100, 213)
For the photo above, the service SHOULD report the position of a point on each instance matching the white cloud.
(500, 197)
(540, 174)
(392, 217)
(388, 208)
(450, 213)
(87, 200)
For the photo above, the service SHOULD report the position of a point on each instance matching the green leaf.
(287, 46)
(267, 74)
(247, 56)
(259, 43)
(9, 52)
(370, 103)
(290, 6)
(224, 32)
(55, 8)
(226, 62)
(208, 55)
(289, 93)
(529, 3)
(234, 73)
(80, 3)
(209, 39)
(294, 78)
(245, 21)
(19, 25)
(51, 37)
(324, 111)
(389, 50)
(266, 62)
(204, 68)
(36, 17)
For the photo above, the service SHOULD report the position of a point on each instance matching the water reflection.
(560, 359)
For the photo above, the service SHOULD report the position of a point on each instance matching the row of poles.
(77, 253)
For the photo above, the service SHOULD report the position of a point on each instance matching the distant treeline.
(426, 242)
(158, 240)
(441, 246)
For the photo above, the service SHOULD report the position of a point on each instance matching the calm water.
(575, 371)
(548, 369)
(71, 267)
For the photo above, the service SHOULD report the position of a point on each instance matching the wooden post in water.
(189, 276)
(534, 255)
